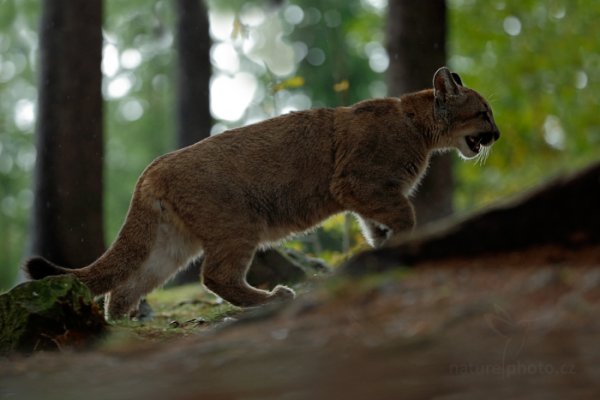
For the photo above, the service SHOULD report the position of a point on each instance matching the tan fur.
(231, 193)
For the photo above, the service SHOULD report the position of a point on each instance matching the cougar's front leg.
(397, 216)
(374, 233)
(384, 214)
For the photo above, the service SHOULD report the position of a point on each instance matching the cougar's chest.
(412, 171)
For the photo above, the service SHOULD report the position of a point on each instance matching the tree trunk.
(67, 224)
(416, 44)
(194, 71)
(193, 81)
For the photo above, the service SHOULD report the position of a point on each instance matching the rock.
(272, 267)
(144, 312)
(47, 314)
(309, 264)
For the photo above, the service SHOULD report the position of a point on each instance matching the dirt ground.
(517, 325)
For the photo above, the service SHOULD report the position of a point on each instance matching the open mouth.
(481, 139)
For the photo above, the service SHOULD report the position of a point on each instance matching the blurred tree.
(67, 212)
(193, 73)
(416, 43)
(194, 70)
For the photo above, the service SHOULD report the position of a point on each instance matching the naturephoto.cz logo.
(508, 370)
(515, 334)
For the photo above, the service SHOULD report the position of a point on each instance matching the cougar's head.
(470, 123)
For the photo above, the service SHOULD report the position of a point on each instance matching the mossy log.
(48, 314)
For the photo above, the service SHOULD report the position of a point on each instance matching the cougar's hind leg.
(224, 271)
(120, 303)
(171, 251)
(124, 300)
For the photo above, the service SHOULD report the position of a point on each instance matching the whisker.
(486, 154)
(478, 160)
(482, 157)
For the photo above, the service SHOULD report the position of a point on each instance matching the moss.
(48, 314)
(188, 302)
(178, 311)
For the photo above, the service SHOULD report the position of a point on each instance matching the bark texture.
(67, 224)
(193, 72)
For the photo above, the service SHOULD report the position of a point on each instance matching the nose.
(486, 138)
(496, 135)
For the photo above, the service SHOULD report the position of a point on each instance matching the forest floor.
(514, 325)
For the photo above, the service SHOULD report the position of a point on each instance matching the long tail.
(131, 248)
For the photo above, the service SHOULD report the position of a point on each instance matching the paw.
(282, 293)
(377, 241)
(377, 234)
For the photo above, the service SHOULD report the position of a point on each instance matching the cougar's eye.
(483, 115)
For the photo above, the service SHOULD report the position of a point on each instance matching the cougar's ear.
(457, 79)
(444, 84)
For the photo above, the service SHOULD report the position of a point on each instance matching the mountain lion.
(229, 194)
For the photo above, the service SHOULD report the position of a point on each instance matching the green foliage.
(18, 41)
(336, 36)
(538, 64)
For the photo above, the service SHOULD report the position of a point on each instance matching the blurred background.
(172, 72)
